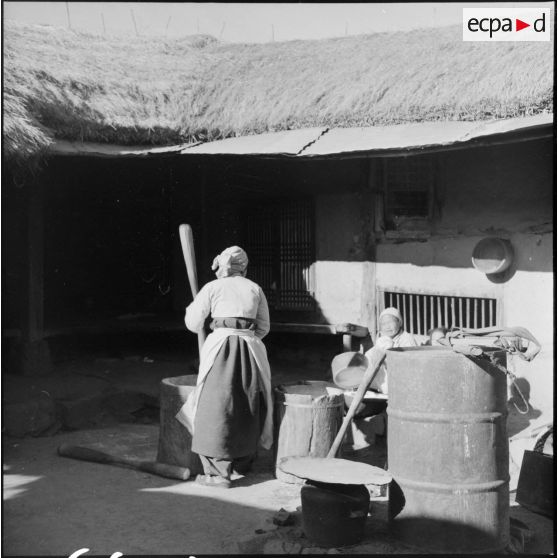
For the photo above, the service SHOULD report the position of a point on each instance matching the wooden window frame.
(284, 255)
(380, 210)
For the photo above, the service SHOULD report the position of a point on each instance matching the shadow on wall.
(521, 413)
(532, 252)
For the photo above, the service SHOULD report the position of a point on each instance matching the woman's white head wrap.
(396, 314)
(231, 261)
(392, 312)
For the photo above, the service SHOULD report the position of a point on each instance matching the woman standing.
(231, 408)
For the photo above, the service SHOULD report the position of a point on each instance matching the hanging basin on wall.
(492, 255)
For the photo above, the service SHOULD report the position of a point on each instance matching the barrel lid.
(313, 388)
(334, 470)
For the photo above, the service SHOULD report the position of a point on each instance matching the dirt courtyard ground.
(56, 506)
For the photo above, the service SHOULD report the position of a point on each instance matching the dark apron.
(231, 408)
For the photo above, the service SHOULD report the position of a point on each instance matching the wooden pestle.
(378, 356)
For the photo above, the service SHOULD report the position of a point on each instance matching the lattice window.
(296, 255)
(422, 312)
(261, 242)
(408, 183)
(279, 239)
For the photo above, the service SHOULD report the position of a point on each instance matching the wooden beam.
(352, 330)
(376, 224)
(30, 354)
(33, 323)
(204, 255)
(379, 176)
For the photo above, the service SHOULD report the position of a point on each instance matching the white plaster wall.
(343, 280)
(529, 303)
(338, 290)
(526, 299)
(435, 279)
(504, 191)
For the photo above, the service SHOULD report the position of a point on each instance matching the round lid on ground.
(333, 470)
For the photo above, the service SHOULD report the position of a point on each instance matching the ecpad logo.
(506, 24)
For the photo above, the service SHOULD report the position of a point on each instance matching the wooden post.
(378, 187)
(368, 291)
(205, 256)
(378, 357)
(135, 24)
(35, 271)
(68, 15)
(33, 354)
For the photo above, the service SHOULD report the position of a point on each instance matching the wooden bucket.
(306, 422)
(175, 441)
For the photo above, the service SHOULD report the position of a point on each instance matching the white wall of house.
(506, 192)
(338, 290)
(502, 191)
(342, 276)
(526, 299)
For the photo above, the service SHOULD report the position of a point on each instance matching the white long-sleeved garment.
(229, 297)
(402, 339)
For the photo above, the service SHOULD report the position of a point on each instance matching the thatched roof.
(74, 86)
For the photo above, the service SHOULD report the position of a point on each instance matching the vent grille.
(422, 312)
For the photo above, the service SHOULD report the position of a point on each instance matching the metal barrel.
(448, 449)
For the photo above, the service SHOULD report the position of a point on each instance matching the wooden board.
(334, 329)
(334, 470)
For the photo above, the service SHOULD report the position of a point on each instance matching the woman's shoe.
(243, 466)
(243, 469)
(213, 481)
